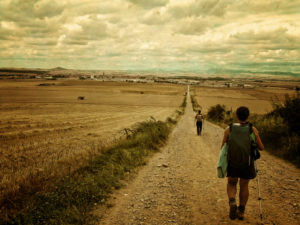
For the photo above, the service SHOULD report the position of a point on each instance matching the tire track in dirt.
(180, 186)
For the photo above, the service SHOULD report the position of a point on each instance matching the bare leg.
(244, 191)
(231, 191)
(231, 187)
(244, 194)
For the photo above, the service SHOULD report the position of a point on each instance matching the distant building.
(49, 78)
(228, 84)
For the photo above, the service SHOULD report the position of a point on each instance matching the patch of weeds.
(71, 199)
(194, 101)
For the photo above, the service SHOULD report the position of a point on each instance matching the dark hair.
(199, 111)
(242, 113)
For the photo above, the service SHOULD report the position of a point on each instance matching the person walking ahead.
(199, 120)
(240, 163)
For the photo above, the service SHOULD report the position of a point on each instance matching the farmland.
(259, 100)
(46, 132)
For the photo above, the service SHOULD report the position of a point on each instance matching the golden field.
(46, 131)
(259, 100)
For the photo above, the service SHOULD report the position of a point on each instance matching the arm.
(226, 134)
(258, 140)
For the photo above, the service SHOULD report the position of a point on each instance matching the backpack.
(254, 147)
(199, 118)
(242, 148)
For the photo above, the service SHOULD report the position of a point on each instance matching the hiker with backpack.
(199, 122)
(240, 160)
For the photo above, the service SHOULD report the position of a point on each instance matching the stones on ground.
(163, 165)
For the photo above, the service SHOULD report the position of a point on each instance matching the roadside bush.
(280, 129)
(216, 113)
(275, 135)
(289, 112)
(272, 130)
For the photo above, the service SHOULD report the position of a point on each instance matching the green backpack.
(254, 147)
(242, 147)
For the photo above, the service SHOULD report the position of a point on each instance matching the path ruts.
(179, 185)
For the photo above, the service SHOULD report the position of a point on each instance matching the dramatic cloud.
(169, 35)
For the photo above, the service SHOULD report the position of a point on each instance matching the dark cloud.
(76, 41)
(112, 54)
(209, 49)
(200, 8)
(90, 30)
(267, 6)
(272, 39)
(155, 17)
(149, 3)
(94, 29)
(42, 42)
(20, 10)
(191, 26)
(94, 7)
(47, 8)
(270, 35)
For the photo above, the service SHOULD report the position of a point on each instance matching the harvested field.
(258, 100)
(47, 132)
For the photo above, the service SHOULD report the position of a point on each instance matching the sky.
(218, 36)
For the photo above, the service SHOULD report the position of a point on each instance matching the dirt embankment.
(179, 185)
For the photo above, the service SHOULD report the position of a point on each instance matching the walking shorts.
(245, 173)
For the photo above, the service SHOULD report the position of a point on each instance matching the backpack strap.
(250, 128)
(230, 127)
(254, 151)
(249, 124)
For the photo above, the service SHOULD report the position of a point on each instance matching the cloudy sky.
(151, 35)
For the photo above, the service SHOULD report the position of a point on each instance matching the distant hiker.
(199, 121)
(240, 163)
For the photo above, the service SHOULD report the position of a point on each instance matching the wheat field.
(46, 132)
(258, 100)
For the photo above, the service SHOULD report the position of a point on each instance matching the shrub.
(272, 131)
(280, 129)
(216, 113)
(290, 113)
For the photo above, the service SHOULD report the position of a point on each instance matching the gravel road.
(179, 185)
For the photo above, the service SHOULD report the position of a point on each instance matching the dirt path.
(179, 185)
